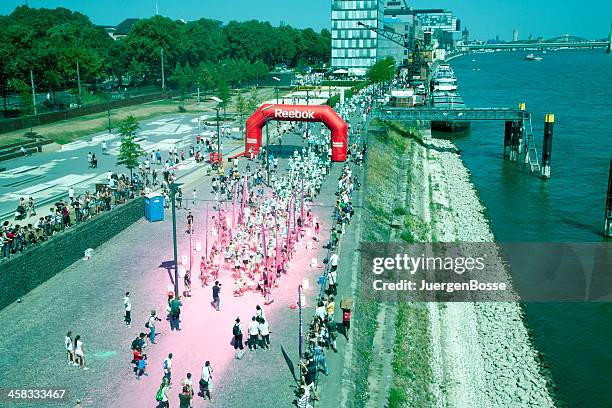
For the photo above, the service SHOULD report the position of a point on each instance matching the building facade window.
(355, 47)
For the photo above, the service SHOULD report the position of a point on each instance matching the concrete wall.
(26, 271)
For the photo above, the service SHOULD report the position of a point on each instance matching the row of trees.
(197, 53)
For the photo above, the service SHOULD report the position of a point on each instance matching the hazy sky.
(484, 18)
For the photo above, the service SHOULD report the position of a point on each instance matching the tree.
(129, 151)
(382, 70)
(223, 93)
(25, 95)
(184, 78)
(52, 81)
(206, 76)
(242, 108)
(253, 102)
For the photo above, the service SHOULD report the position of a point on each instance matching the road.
(47, 176)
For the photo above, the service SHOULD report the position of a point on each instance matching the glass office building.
(355, 48)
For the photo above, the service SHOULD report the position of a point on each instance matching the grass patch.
(399, 211)
(413, 376)
(67, 131)
(366, 327)
(380, 186)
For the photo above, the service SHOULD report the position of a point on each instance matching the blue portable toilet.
(154, 207)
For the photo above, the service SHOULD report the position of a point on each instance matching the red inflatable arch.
(298, 113)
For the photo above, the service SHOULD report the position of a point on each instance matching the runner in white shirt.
(253, 333)
(69, 349)
(167, 365)
(333, 261)
(264, 332)
(127, 304)
(206, 381)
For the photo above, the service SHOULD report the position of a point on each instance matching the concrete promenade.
(87, 299)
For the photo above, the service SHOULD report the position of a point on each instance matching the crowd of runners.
(259, 215)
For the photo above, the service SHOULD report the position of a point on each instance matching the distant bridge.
(564, 41)
(538, 45)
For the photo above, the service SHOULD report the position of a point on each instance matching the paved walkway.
(87, 299)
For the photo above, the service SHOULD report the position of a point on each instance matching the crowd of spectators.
(27, 230)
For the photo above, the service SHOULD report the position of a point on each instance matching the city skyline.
(481, 17)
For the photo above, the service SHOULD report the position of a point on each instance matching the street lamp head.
(276, 79)
(214, 98)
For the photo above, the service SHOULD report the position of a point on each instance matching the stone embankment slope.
(482, 353)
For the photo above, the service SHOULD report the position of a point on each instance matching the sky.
(484, 18)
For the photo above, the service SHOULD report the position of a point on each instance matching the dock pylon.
(609, 50)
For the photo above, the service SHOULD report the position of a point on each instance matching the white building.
(355, 48)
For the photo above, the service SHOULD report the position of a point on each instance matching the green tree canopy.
(382, 70)
(129, 150)
(50, 42)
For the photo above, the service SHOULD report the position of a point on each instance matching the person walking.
(151, 325)
(346, 321)
(259, 312)
(175, 313)
(179, 198)
(253, 333)
(237, 332)
(162, 393)
(188, 382)
(215, 293)
(264, 332)
(333, 285)
(141, 367)
(194, 196)
(137, 356)
(69, 349)
(127, 305)
(71, 194)
(104, 147)
(167, 365)
(185, 397)
(206, 381)
(139, 342)
(79, 352)
(190, 223)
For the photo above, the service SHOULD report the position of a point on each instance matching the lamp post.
(276, 87)
(109, 119)
(301, 334)
(267, 153)
(220, 102)
(391, 76)
(173, 189)
(190, 246)
(108, 106)
(267, 146)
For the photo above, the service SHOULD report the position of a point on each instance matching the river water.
(575, 339)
